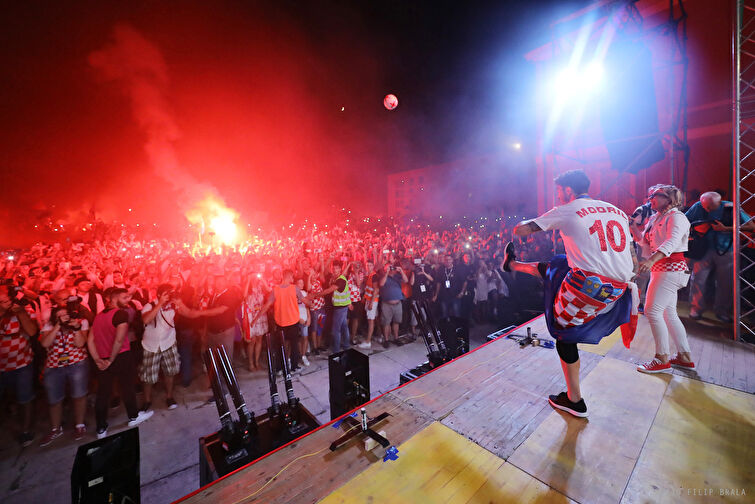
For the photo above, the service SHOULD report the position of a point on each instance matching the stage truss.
(743, 52)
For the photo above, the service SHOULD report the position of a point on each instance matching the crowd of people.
(89, 315)
(79, 317)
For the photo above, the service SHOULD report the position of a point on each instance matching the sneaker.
(385, 344)
(366, 345)
(141, 417)
(171, 403)
(101, 433)
(724, 317)
(398, 342)
(508, 256)
(26, 438)
(316, 351)
(695, 315)
(676, 361)
(305, 360)
(562, 402)
(146, 406)
(51, 436)
(654, 366)
(79, 432)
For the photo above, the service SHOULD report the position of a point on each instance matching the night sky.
(148, 105)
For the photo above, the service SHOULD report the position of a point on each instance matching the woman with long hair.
(664, 240)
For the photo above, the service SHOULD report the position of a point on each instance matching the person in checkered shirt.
(588, 292)
(356, 291)
(16, 357)
(313, 284)
(67, 363)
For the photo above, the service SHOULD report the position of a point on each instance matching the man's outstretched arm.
(526, 228)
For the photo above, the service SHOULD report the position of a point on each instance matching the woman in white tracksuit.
(664, 240)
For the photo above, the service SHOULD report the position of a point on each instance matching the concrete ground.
(169, 440)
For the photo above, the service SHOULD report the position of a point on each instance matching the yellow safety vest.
(342, 298)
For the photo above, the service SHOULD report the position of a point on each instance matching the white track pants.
(660, 309)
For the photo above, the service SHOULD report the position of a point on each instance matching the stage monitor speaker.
(107, 470)
(349, 372)
(628, 110)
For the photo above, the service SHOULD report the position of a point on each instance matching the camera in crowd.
(16, 293)
(73, 307)
(641, 214)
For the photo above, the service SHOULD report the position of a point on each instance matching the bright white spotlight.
(592, 77)
(516, 146)
(579, 82)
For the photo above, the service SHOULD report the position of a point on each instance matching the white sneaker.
(365, 345)
(101, 434)
(141, 417)
(305, 360)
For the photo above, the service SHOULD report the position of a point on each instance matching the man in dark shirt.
(450, 284)
(221, 317)
(186, 330)
(421, 282)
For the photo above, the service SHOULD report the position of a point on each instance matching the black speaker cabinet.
(107, 470)
(349, 372)
(455, 333)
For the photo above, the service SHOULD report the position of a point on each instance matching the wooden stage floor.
(480, 429)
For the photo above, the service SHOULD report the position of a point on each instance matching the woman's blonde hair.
(672, 193)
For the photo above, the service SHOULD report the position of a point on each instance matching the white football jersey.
(596, 236)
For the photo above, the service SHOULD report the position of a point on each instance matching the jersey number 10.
(611, 226)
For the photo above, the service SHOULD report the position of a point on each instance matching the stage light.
(579, 82)
(517, 146)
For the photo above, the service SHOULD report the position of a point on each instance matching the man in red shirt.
(109, 347)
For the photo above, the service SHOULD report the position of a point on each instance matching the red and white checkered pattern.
(15, 349)
(315, 287)
(354, 294)
(63, 345)
(670, 266)
(572, 308)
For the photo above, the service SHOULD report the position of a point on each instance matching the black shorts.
(357, 311)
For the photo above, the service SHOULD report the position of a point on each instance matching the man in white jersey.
(588, 293)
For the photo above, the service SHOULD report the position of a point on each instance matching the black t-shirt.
(450, 280)
(231, 298)
(187, 298)
(120, 317)
(422, 288)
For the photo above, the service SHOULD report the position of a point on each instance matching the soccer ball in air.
(390, 101)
